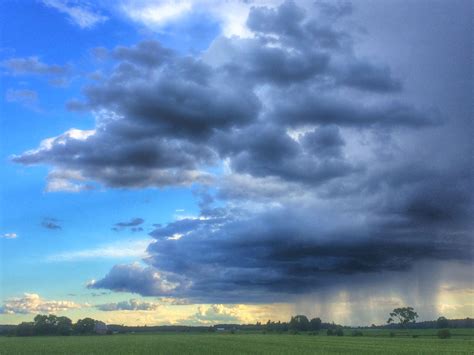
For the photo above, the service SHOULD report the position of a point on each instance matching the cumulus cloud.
(78, 12)
(131, 305)
(216, 313)
(33, 303)
(164, 119)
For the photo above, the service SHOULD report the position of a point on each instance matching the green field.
(373, 342)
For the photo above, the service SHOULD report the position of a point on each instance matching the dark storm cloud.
(51, 223)
(324, 141)
(314, 106)
(269, 256)
(118, 157)
(164, 118)
(146, 281)
(366, 76)
(332, 168)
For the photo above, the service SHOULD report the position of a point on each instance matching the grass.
(373, 342)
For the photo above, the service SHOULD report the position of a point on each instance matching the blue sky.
(257, 149)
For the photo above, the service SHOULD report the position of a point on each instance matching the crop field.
(373, 342)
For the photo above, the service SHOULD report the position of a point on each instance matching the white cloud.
(231, 14)
(79, 14)
(238, 313)
(116, 250)
(33, 303)
(9, 236)
(155, 14)
(66, 181)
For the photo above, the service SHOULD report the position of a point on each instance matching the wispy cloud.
(9, 236)
(78, 13)
(57, 75)
(131, 305)
(24, 97)
(116, 250)
(133, 224)
(51, 223)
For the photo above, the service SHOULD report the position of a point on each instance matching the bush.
(330, 332)
(414, 336)
(313, 333)
(339, 332)
(444, 334)
(392, 334)
(357, 333)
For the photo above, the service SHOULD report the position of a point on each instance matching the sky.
(200, 162)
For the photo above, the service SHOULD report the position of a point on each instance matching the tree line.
(57, 325)
(54, 325)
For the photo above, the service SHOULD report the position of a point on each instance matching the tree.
(52, 325)
(25, 329)
(45, 325)
(64, 326)
(85, 326)
(299, 323)
(315, 324)
(442, 322)
(403, 315)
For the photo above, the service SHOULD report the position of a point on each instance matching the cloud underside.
(322, 172)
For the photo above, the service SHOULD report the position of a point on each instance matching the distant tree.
(299, 323)
(85, 326)
(403, 315)
(64, 326)
(315, 324)
(46, 325)
(444, 334)
(442, 322)
(52, 325)
(25, 329)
